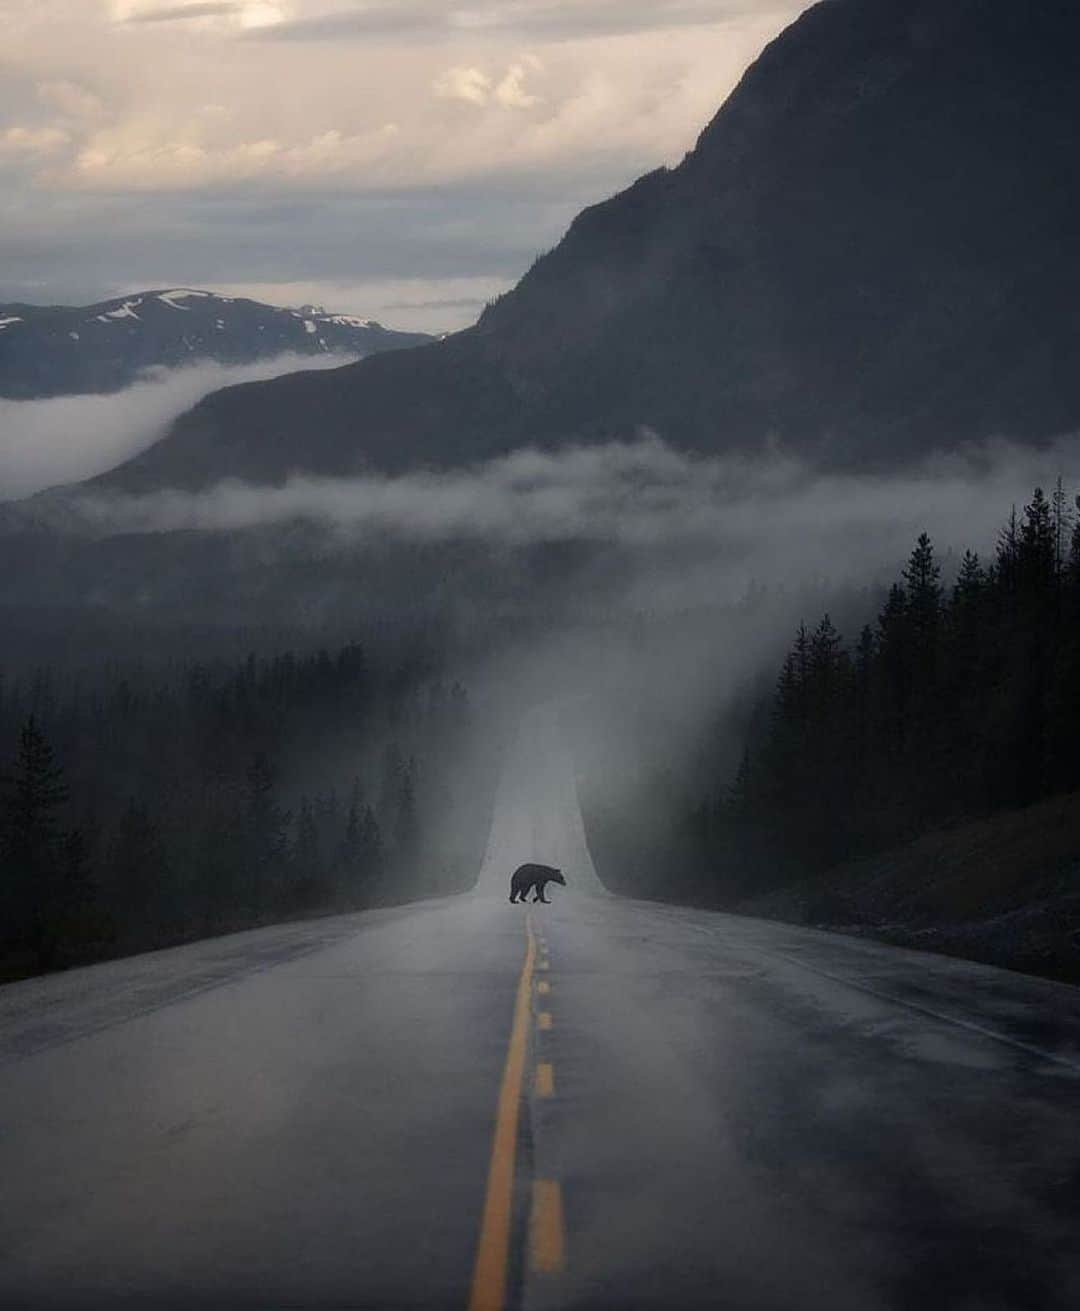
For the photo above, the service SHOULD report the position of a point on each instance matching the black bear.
(526, 877)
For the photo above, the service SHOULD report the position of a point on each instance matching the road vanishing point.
(600, 1103)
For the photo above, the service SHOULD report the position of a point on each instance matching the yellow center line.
(544, 1083)
(543, 1019)
(543, 987)
(488, 1292)
(547, 1240)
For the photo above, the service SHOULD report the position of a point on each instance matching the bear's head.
(558, 878)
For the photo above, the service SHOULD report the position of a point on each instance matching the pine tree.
(405, 823)
(970, 580)
(36, 790)
(1072, 568)
(802, 654)
(390, 785)
(361, 850)
(350, 843)
(793, 688)
(308, 851)
(1061, 516)
(789, 691)
(863, 700)
(739, 792)
(371, 843)
(1037, 547)
(894, 640)
(922, 577)
(264, 835)
(78, 916)
(825, 652)
(1007, 558)
(138, 868)
(31, 841)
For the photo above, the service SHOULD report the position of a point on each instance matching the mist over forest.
(650, 592)
(64, 439)
(728, 400)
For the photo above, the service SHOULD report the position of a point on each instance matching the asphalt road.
(629, 1106)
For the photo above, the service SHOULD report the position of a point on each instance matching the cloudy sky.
(403, 159)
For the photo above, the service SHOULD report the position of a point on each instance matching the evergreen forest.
(144, 807)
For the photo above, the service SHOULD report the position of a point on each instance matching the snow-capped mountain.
(59, 350)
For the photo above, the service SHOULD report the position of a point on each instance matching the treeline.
(956, 702)
(140, 808)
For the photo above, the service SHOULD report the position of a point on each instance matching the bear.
(526, 877)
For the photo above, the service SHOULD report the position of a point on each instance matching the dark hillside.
(1005, 890)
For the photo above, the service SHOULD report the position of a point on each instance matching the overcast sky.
(402, 160)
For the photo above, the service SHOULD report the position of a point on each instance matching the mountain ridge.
(868, 254)
(59, 350)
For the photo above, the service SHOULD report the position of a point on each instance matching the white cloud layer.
(67, 438)
(705, 524)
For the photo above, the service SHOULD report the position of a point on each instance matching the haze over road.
(695, 1110)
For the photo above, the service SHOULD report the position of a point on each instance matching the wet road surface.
(597, 1104)
(714, 1112)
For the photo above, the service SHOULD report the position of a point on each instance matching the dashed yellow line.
(488, 1291)
(543, 1019)
(543, 987)
(544, 1082)
(547, 1235)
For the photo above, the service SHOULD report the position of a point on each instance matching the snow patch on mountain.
(126, 311)
(182, 293)
(351, 321)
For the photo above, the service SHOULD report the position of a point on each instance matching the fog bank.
(64, 439)
(728, 521)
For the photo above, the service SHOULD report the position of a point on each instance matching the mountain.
(872, 251)
(58, 350)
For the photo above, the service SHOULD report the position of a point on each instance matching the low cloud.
(70, 99)
(32, 140)
(183, 13)
(539, 20)
(469, 84)
(669, 584)
(477, 87)
(712, 524)
(652, 590)
(67, 438)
